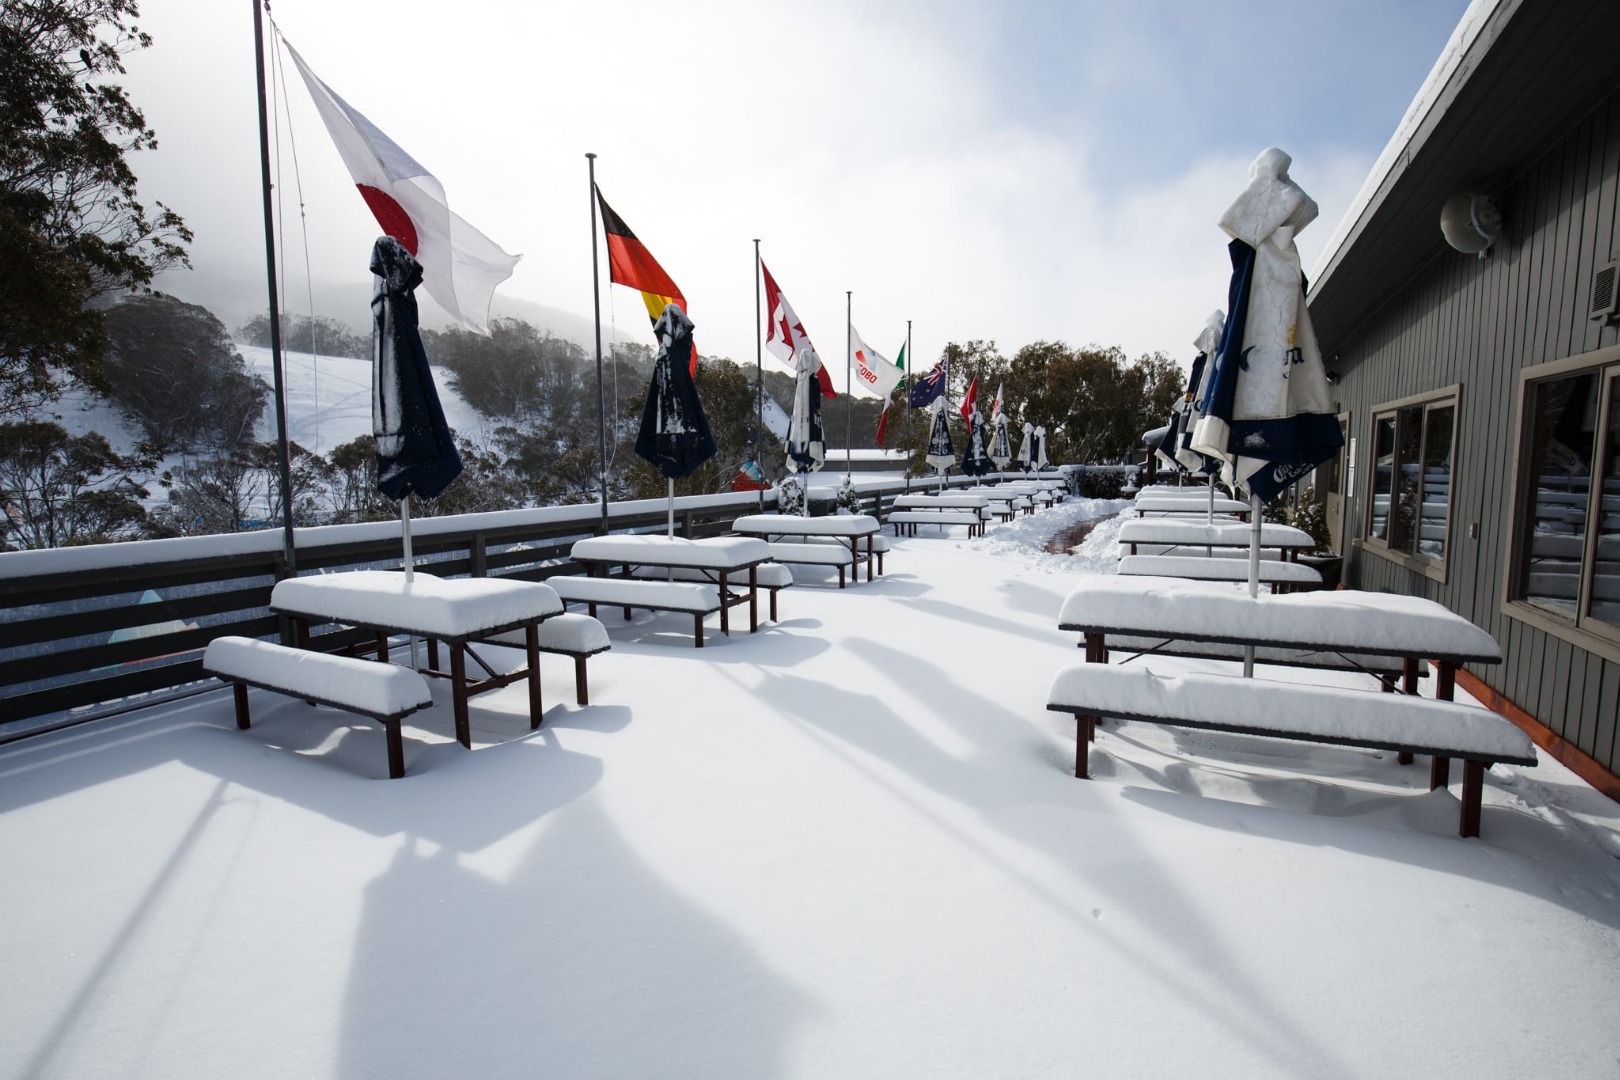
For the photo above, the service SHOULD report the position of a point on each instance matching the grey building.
(1467, 310)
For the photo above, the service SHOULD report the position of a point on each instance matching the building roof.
(1511, 79)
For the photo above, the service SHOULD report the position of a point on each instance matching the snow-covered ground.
(848, 845)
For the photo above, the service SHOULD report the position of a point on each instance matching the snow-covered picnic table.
(855, 530)
(1156, 613)
(1170, 505)
(457, 611)
(942, 509)
(1180, 533)
(716, 559)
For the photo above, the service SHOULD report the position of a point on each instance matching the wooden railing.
(86, 631)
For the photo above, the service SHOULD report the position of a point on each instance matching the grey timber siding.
(1478, 323)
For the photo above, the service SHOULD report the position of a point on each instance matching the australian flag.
(925, 388)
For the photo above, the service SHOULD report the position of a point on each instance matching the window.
(1565, 555)
(1409, 509)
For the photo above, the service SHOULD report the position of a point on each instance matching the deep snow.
(847, 845)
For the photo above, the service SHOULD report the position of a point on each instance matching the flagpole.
(759, 382)
(596, 307)
(283, 453)
(907, 403)
(849, 382)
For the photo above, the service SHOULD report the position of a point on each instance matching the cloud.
(882, 150)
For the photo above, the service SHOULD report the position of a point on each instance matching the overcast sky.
(1019, 171)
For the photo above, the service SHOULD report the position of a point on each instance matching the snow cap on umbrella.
(1268, 413)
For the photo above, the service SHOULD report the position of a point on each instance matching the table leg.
(531, 646)
(458, 693)
(1409, 685)
(753, 599)
(725, 606)
(869, 557)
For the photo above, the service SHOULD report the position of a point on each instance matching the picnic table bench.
(717, 559)
(941, 510)
(1366, 631)
(814, 537)
(1281, 576)
(384, 692)
(1327, 715)
(457, 611)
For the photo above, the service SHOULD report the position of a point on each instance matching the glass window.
(1605, 605)
(1409, 511)
(1566, 532)
(1558, 478)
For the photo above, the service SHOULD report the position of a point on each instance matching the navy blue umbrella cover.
(674, 433)
(415, 451)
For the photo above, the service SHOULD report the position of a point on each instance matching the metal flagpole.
(759, 385)
(906, 403)
(849, 382)
(596, 307)
(283, 453)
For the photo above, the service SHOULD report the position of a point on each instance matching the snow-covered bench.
(878, 542)
(1329, 715)
(773, 577)
(381, 691)
(905, 522)
(568, 634)
(1274, 572)
(688, 598)
(812, 553)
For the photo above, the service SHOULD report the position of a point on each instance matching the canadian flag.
(785, 336)
(460, 265)
(969, 400)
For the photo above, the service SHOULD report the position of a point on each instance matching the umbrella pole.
(410, 569)
(671, 526)
(1254, 573)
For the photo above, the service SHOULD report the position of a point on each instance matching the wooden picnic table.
(1180, 533)
(717, 558)
(1348, 623)
(457, 611)
(856, 530)
(1177, 505)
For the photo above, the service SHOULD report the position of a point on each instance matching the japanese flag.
(460, 265)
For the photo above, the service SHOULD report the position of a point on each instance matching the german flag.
(630, 263)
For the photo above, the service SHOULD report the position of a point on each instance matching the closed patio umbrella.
(674, 434)
(1000, 446)
(975, 455)
(416, 454)
(1268, 413)
(806, 448)
(941, 454)
(1026, 457)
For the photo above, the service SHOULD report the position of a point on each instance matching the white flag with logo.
(871, 370)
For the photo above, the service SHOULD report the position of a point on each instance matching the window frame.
(1581, 629)
(1427, 565)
